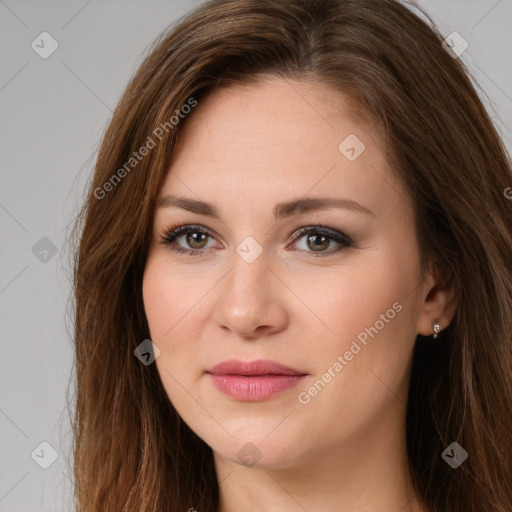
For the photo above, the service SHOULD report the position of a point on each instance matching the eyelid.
(334, 234)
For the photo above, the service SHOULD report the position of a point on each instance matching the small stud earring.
(437, 328)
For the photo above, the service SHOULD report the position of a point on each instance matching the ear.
(439, 302)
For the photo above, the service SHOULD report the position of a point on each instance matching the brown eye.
(196, 240)
(319, 239)
(318, 242)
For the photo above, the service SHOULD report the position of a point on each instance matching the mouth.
(254, 381)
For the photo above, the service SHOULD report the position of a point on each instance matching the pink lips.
(254, 380)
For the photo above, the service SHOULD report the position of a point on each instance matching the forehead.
(273, 138)
(273, 109)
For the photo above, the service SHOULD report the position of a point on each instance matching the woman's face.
(340, 303)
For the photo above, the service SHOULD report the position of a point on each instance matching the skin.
(244, 149)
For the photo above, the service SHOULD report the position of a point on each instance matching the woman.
(294, 273)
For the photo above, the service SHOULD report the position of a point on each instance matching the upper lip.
(258, 367)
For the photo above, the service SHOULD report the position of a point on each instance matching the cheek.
(170, 303)
(159, 301)
(170, 296)
(169, 307)
(370, 312)
(351, 298)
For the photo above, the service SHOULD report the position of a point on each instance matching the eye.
(317, 239)
(195, 236)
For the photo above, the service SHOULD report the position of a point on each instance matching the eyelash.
(169, 235)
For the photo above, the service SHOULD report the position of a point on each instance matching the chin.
(276, 451)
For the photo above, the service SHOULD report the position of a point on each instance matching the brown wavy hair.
(132, 451)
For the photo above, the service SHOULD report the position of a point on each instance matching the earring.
(437, 328)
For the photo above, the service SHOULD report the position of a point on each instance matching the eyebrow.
(281, 210)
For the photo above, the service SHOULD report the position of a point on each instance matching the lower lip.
(254, 388)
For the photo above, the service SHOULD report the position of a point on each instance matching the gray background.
(53, 112)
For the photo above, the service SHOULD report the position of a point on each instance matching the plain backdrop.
(53, 112)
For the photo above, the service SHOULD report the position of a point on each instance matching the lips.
(251, 368)
(254, 380)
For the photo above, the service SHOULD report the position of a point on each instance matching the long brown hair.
(132, 451)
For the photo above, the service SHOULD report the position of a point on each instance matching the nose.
(251, 300)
